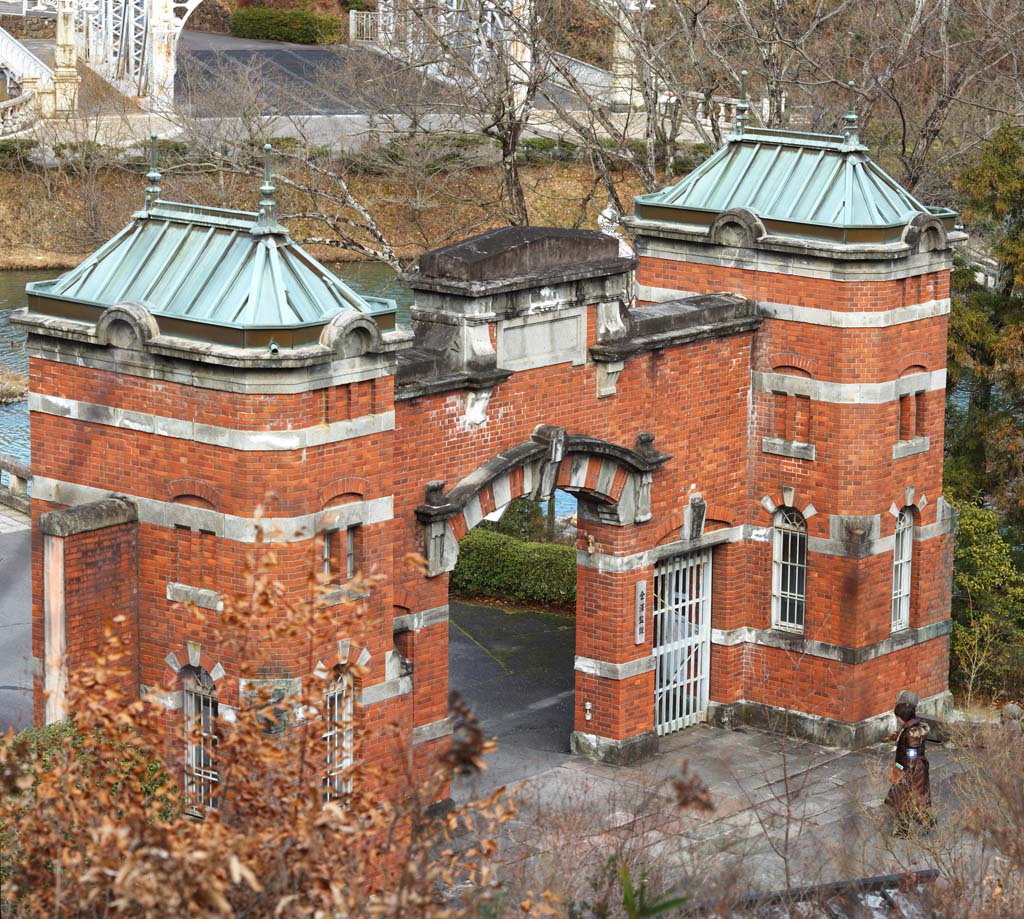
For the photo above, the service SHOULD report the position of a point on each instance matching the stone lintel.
(413, 622)
(84, 518)
(389, 689)
(911, 447)
(423, 733)
(791, 448)
(202, 597)
(614, 752)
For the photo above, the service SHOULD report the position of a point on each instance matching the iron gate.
(682, 640)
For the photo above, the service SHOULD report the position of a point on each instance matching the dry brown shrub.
(94, 828)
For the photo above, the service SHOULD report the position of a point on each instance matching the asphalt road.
(515, 670)
(15, 627)
(224, 75)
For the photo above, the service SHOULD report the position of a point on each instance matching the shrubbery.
(299, 26)
(495, 565)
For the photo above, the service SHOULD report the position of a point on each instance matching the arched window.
(789, 570)
(337, 734)
(199, 697)
(903, 550)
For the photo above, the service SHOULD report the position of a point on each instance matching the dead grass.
(13, 386)
(52, 220)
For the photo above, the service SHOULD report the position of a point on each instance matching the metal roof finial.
(850, 134)
(153, 189)
(268, 206)
(742, 108)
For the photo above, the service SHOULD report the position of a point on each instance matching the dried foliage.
(13, 386)
(93, 825)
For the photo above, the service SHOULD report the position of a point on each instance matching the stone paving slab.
(12, 521)
(778, 803)
(15, 620)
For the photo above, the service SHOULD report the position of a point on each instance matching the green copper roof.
(210, 265)
(798, 184)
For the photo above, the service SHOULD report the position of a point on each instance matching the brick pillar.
(614, 719)
(90, 576)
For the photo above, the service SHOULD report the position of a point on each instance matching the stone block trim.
(85, 518)
(225, 526)
(798, 644)
(215, 435)
(615, 671)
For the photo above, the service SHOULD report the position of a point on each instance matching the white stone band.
(615, 671)
(214, 435)
(226, 526)
(849, 393)
(811, 315)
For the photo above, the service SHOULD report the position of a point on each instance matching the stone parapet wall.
(37, 27)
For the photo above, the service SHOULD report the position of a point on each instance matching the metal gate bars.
(682, 640)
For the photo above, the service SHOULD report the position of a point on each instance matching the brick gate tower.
(843, 593)
(750, 415)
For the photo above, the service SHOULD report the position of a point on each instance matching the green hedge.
(299, 26)
(495, 565)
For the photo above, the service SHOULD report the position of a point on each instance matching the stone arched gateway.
(612, 484)
(613, 487)
(780, 418)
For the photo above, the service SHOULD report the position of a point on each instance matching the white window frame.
(338, 736)
(902, 558)
(789, 570)
(199, 704)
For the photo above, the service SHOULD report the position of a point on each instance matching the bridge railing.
(30, 72)
(14, 493)
(18, 114)
(363, 26)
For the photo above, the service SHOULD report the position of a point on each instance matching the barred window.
(903, 549)
(789, 570)
(200, 708)
(339, 553)
(337, 735)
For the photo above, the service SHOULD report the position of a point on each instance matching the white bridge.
(130, 43)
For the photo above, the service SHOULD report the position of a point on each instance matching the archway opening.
(512, 635)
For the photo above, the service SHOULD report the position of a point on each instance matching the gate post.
(614, 719)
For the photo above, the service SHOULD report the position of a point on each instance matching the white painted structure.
(682, 640)
(130, 43)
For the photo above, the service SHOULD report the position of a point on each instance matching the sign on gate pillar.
(640, 620)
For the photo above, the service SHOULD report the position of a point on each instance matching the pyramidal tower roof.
(813, 186)
(199, 269)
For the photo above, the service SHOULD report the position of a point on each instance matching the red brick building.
(750, 413)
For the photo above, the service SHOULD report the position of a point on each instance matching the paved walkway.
(786, 813)
(15, 620)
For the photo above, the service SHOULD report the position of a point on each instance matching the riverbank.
(29, 259)
(52, 219)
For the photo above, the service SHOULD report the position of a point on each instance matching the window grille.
(339, 553)
(789, 570)
(337, 736)
(903, 550)
(200, 706)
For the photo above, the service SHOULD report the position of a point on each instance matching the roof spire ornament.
(266, 220)
(742, 108)
(851, 137)
(153, 176)
(268, 206)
